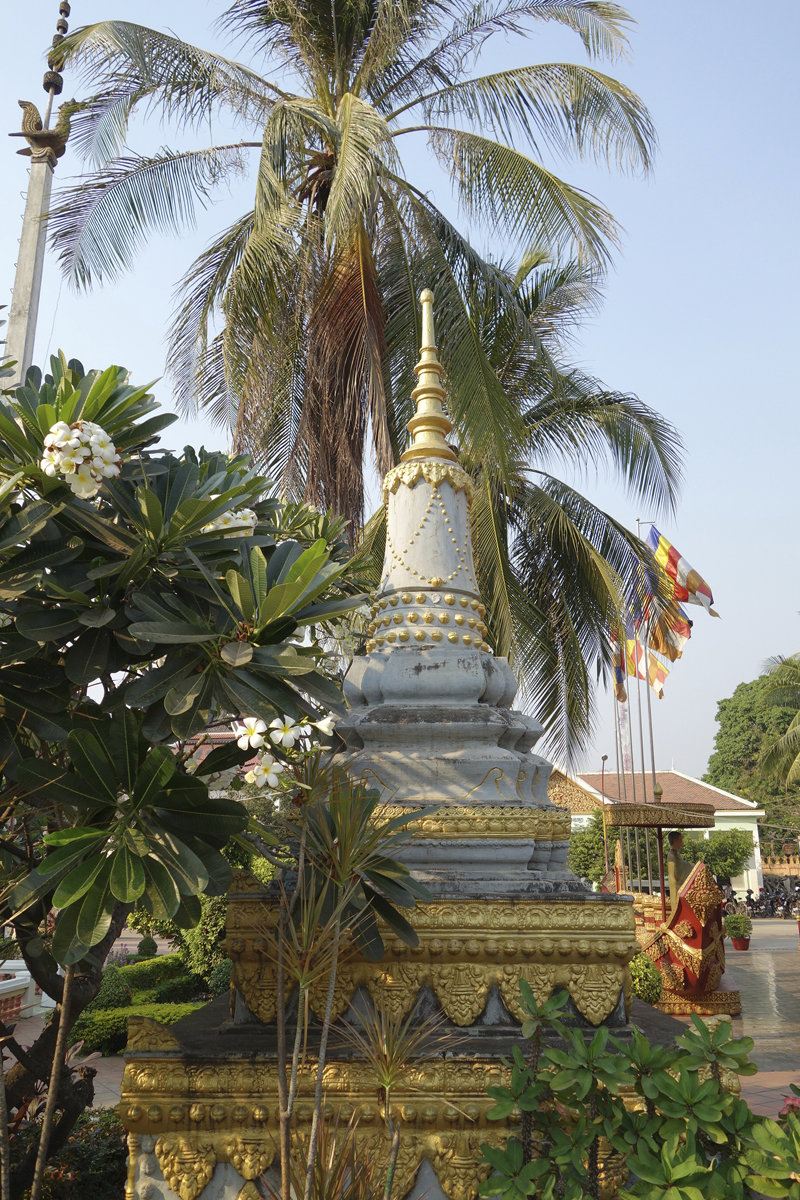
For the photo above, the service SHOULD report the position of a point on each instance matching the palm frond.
(97, 226)
(185, 81)
(199, 295)
(600, 25)
(572, 109)
(517, 197)
(362, 144)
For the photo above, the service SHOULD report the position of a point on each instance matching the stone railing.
(782, 864)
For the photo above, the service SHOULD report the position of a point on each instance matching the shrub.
(219, 981)
(646, 979)
(183, 987)
(202, 948)
(107, 1029)
(154, 971)
(93, 1163)
(147, 948)
(738, 925)
(114, 991)
(120, 958)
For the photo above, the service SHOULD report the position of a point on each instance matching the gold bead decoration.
(379, 639)
(420, 598)
(436, 581)
(459, 618)
(413, 617)
(428, 617)
(387, 620)
(482, 609)
(370, 645)
(444, 617)
(467, 639)
(436, 635)
(404, 635)
(383, 603)
(391, 637)
(370, 630)
(449, 598)
(472, 603)
(452, 637)
(420, 635)
(463, 601)
(454, 539)
(471, 622)
(393, 601)
(406, 597)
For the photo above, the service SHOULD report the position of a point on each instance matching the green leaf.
(127, 880)
(154, 684)
(93, 763)
(96, 910)
(67, 947)
(242, 595)
(202, 814)
(151, 511)
(122, 740)
(47, 625)
(78, 882)
(86, 659)
(237, 654)
(170, 633)
(161, 890)
(155, 774)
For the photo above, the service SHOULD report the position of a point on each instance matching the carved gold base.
(202, 1113)
(465, 947)
(707, 1005)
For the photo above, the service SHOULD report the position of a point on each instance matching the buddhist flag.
(671, 632)
(634, 657)
(658, 674)
(687, 584)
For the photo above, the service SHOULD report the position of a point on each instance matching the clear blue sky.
(700, 318)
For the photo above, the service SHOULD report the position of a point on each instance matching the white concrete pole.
(30, 263)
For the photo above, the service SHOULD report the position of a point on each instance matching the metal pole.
(630, 860)
(650, 709)
(661, 873)
(621, 795)
(603, 801)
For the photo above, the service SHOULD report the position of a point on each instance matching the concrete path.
(768, 977)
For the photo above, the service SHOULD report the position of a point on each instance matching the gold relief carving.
(596, 991)
(487, 821)
(433, 473)
(458, 1166)
(348, 977)
(187, 1165)
(709, 1004)
(462, 990)
(684, 929)
(703, 896)
(244, 882)
(249, 1192)
(673, 975)
(133, 1154)
(255, 979)
(249, 1155)
(146, 1034)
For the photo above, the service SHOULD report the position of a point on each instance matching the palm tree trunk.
(52, 1090)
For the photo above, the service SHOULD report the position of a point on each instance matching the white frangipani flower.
(265, 773)
(285, 732)
(250, 733)
(82, 453)
(241, 522)
(326, 725)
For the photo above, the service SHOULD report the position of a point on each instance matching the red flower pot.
(741, 943)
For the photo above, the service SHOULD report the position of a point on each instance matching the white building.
(581, 795)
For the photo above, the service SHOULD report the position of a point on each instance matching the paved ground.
(767, 975)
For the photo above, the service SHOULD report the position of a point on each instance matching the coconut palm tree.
(298, 326)
(782, 758)
(555, 571)
(321, 275)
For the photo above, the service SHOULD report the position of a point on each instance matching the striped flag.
(687, 584)
(658, 675)
(671, 632)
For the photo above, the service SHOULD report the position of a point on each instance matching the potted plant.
(738, 928)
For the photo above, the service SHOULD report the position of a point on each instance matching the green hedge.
(176, 991)
(152, 971)
(107, 1029)
(646, 978)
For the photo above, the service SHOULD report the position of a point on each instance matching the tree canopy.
(748, 724)
(725, 851)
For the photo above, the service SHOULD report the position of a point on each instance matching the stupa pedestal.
(430, 723)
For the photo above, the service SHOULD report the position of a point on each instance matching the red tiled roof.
(678, 789)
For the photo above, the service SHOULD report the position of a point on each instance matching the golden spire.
(430, 426)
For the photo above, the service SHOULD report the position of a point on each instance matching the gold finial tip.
(426, 296)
